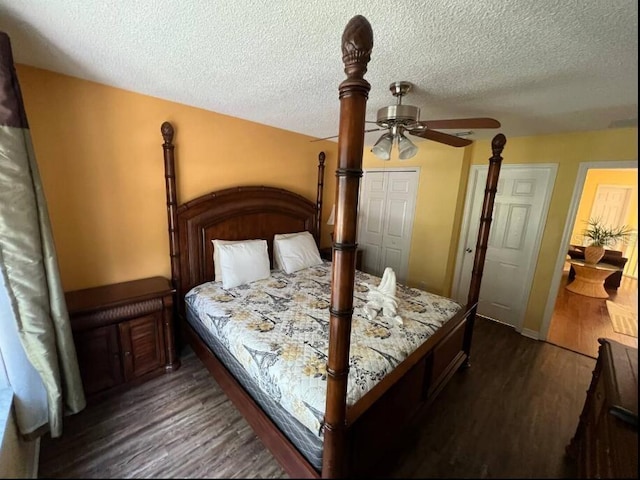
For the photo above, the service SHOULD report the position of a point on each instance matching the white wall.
(18, 458)
(30, 397)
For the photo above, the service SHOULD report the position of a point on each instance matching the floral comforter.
(278, 330)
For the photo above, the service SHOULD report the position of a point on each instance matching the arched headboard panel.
(238, 213)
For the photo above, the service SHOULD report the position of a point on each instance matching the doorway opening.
(579, 313)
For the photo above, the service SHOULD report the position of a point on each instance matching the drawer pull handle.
(127, 353)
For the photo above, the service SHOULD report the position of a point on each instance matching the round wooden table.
(590, 278)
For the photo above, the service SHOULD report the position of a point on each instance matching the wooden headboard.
(239, 213)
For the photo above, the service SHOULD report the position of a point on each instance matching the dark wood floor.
(578, 321)
(508, 416)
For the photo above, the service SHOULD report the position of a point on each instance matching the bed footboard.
(404, 402)
(394, 411)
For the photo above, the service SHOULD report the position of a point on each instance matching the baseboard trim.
(527, 332)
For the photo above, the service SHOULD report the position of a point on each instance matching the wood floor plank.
(509, 415)
(578, 321)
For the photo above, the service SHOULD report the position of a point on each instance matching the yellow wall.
(100, 157)
(99, 153)
(568, 151)
(597, 177)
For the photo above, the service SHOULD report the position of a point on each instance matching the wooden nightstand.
(123, 333)
(327, 254)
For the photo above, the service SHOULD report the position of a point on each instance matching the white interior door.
(610, 206)
(387, 207)
(519, 214)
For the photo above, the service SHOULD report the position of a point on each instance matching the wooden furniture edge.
(76, 305)
(605, 442)
(441, 335)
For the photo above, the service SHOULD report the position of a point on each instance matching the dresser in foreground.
(605, 444)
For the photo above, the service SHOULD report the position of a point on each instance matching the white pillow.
(216, 259)
(243, 262)
(277, 261)
(298, 252)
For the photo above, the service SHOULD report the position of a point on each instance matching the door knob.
(468, 250)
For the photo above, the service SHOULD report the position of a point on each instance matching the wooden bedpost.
(497, 145)
(172, 208)
(321, 159)
(357, 43)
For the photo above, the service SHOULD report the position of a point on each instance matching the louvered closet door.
(387, 206)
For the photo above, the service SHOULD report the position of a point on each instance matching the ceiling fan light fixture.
(406, 148)
(398, 114)
(382, 148)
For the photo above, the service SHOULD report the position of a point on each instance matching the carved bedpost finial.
(167, 133)
(321, 158)
(497, 144)
(357, 43)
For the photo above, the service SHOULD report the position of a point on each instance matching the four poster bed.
(282, 347)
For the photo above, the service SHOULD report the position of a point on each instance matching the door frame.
(572, 213)
(415, 169)
(475, 170)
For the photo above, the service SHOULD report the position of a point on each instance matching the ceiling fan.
(399, 119)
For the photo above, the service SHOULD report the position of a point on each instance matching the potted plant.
(601, 236)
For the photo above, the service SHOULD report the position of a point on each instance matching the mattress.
(276, 332)
(307, 442)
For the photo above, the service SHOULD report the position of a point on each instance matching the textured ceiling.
(543, 66)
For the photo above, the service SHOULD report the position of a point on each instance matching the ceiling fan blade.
(336, 136)
(455, 123)
(325, 138)
(441, 137)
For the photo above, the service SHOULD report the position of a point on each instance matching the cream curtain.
(28, 263)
